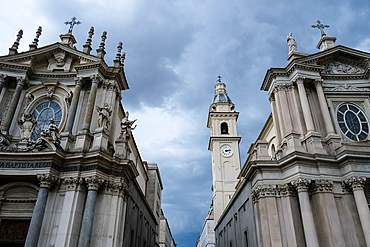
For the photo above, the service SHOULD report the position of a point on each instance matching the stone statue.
(291, 42)
(126, 125)
(104, 116)
(27, 126)
(52, 132)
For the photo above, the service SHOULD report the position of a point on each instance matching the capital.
(256, 194)
(301, 184)
(300, 80)
(355, 183)
(79, 81)
(3, 78)
(72, 183)
(287, 190)
(321, 185)
(272, 97)
(95, 78)
(268, 190)
(22, 81)
(318, 82)
(94, 182)
(47, 180)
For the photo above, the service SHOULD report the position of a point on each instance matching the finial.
(14, 48)
(321, 27)
(219, 79)
(103, 38)
(87, 46)
(123, 57)
(35, 42)
(119, 49)
(71, 24)
(117, 61)
(101, 51)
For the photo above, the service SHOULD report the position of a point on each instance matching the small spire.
(71, 24)
(87, 46)
(14, 48)
(101, 51)
(35, 42)
(117, 61)
(219, 79)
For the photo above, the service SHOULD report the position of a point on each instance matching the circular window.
(43, 113)
(353, 122)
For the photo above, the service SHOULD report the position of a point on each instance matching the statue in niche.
(104, 116)
(126, 126)
(52, 132)
(27, 126)
(291, 42)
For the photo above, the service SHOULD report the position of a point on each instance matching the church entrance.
(13, 233)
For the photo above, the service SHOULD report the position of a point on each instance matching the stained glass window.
(353, 122)
(43, 113)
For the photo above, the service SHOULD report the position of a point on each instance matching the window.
(246, 238)
(352, 122)
(224, 128)
(43, 113)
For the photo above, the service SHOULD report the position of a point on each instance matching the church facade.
(70, 171)
(305, 181)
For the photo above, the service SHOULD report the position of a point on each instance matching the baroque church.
(305, 181)
(70, 170)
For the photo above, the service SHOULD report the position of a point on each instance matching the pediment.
(53, 58)
(339, 60)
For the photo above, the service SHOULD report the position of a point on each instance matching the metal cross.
(71, 23)
(321, 27)
(219, 79)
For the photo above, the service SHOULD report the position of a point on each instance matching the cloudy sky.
(175, 51)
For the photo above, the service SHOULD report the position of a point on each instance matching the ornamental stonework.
(72, 183)
(321, 185)
(94, 182)
(301, 184)
(47, 180)
(287, 190)
(355, 183)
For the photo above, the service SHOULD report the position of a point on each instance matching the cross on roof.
(321, 27)
(71, 23)
(219, 79)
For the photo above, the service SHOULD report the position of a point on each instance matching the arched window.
(224, 128)
(43, 113)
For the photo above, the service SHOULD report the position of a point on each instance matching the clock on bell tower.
(224, 145)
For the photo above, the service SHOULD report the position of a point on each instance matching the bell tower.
(224, 145)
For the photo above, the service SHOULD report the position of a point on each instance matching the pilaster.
(357, 185)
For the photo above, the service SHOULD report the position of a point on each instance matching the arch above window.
(224, 128)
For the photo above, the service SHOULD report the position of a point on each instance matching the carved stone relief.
(336, 67)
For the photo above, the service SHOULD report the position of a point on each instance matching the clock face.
(226, 150)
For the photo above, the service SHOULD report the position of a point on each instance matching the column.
(302, 185)
(275, 117)
(305, 106)
(72, 110)
(93, 184)
(357, 185)
(281, 96)
(21, 82)
(324, 107)
(3, 79)
(33, 234)
(91, 102)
